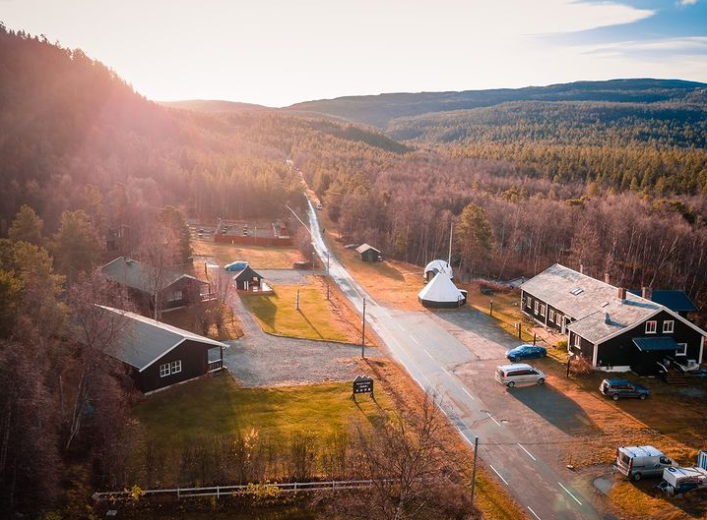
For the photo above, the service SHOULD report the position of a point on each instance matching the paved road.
(432, 356)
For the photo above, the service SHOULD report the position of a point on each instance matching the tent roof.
(440, 289)
(439, 266)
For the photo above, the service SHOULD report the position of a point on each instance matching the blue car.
(525, 352)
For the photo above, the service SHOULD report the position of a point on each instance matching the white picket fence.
(240, 489)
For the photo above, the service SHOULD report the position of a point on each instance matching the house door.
(565, 322)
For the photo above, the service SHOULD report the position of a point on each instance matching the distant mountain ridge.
(212, 105)
(379, 110)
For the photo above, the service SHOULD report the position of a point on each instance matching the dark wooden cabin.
(160, 355)
(612, 328)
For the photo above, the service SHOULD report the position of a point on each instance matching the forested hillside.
(380, 110)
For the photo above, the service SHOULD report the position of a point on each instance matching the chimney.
(647, 293)
(607, 318)
(622, 293)
(607, 278)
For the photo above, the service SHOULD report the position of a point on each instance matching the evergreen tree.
(75, 245)
(27, 227)
(473, 232)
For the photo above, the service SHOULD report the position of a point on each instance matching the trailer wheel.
(511, 384)
(615, 397)
(637, 477)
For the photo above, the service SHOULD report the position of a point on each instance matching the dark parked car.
(618, 388)
(525, 352)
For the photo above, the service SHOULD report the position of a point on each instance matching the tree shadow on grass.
(311, 325)
(263, 308)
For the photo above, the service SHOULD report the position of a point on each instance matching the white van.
(637, 462)
(518, 374)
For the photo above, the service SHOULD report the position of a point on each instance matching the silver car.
(519, 374)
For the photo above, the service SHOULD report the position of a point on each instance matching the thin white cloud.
(688, 2)
(677, 46)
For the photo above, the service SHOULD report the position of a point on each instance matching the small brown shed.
(248, 280)
(369, 253)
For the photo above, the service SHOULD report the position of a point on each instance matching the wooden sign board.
(363, 385)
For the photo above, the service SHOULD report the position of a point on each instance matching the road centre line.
(467, 393)
(499, 475)
(529, 454)
(445, 370)
(413, 338)
(570, 494)
(493, 419)
(428, 353)
(534, 513)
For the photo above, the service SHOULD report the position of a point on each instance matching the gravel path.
(259, 359)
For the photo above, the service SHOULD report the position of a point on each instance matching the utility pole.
(297, 301)
(473, 475)
(327, 275)
(363, 331)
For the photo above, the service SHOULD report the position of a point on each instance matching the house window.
(537, 306)
(668, 326)
(682, 349)
(577, 341)
(542, 309)
(176, 366)
(164, 370)
(528, 302)
(651, 327)
(175, 296)
(552, 316)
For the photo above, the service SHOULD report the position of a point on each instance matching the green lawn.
(315, 319)
(198, 411)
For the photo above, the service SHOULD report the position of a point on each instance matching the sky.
(279, 52)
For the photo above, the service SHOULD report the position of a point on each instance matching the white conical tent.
(441, 292)
(438, 266)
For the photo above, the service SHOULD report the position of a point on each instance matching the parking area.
(567, 421)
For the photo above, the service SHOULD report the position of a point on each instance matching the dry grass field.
(258, 257)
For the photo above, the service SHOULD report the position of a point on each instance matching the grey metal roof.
(141, 276)
(146, 340)
(594, 304)
(660, 343)
(365, 247)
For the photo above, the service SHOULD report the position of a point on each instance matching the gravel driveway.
(259, 359)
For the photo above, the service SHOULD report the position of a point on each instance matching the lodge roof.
(595, 305)
(146, 340)
(139, 275)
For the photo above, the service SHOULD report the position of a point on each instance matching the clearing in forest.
(258, 257)
(200, 431)
(317, 318)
